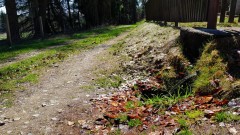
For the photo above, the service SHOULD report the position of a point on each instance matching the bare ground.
(36, 109)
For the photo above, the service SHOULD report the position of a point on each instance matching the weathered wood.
(232, 11)
(177, 10)
(212, 14)
(223, 10)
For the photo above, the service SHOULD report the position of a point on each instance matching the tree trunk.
(232, 11)
(12, 19)
(223, 10)
(38, 9)
(69, 14)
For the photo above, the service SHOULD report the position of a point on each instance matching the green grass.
(167, 100)
(88, 37)
(185, 132)
(28, 70)
(123, 118)
(134, 122)
(226, 117)
(184, 127)
(194, 114)
(214, 68)
(3, 36)
(204, 24)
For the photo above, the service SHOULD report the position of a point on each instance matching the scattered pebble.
(36, 115)
(233, 130)
(54, 119)
(221, 124)
(70, 123)
(44, 104)
(2, 123)
(16, 119)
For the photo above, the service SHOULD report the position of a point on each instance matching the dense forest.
(35, 18)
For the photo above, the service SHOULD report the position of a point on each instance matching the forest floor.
(101, 90)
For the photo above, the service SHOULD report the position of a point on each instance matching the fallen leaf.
(114, 103)
(203, 99)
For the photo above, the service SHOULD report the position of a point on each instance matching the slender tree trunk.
(69, 14)
(12, 19)
(223, 10)
(232, 11)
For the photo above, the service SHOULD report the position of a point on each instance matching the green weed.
(183, 123)
(226, 117)
(185, 132)
(134, 123)
(194, 114)
(123, 118)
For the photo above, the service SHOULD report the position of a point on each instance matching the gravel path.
(36, 109)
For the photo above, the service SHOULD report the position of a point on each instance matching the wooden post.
(232, 11)
(176, 24)
(41, 26)
(223, 10)
(9, 36)
(239, 18)
(212, 14)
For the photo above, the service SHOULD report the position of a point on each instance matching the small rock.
(87, 95)
(27, 122)
(29, 134)
(208, 113)
(54, 119)
(81, 122)
(86, 126)
(70, 123)
(44, 104)
(123, 128)
(233, 130)
(2, 123)
(16, 119)
(60, 110)
(221, 124)
(9, 132)
(205, 119)
(36, 115)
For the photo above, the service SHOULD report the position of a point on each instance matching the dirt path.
(36, 109)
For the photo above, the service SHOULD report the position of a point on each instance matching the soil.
(36, 109)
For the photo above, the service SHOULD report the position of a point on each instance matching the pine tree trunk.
(12, 19)
(232, 11)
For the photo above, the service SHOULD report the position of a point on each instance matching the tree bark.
(223, 10)
(232, 11)
(69, 14)
(12, 19)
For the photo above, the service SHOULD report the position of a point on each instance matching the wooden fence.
(190, 11)
(177, 10)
